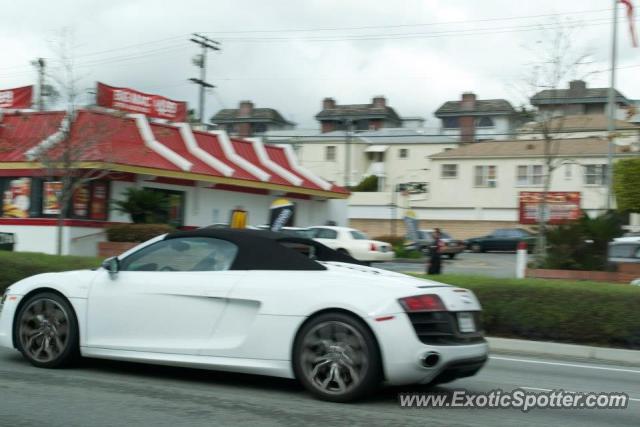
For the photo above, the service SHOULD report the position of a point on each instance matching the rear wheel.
(343, 252)
(451, 256)
(336, 358)
(46, 331)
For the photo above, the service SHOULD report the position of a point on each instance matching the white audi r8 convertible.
(255, 302)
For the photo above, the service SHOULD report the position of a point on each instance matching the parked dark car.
(451, 247)
(502, 239)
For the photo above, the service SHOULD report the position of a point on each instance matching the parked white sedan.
(355, 243)
(250, 301)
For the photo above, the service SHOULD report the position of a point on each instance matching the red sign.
(99, 203)
(19, 97)
(138, 102)
(561, 207)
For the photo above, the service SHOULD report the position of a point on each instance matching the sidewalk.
(567, 351)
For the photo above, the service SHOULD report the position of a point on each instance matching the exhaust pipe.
(431, 359)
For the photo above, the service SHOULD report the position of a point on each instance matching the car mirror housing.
(112, 265)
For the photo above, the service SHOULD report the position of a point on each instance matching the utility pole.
(347, 153)
(40, 66)
(206, 44)
(611, 126)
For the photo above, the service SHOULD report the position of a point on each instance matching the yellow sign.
(238, 218)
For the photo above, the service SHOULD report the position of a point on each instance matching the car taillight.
(373, 247)
(422, 303)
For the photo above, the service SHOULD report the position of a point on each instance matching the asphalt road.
(105, 393)
(495, 264)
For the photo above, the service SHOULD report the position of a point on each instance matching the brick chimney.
(467, 123)
(246, 109)
(328, 103)
(379, 101)
(577, 88)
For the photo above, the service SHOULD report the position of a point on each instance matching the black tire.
(343, 252)
(476, 248)
(47, 321)
(451, 256)
(341, 356)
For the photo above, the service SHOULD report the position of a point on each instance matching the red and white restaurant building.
(205, 174)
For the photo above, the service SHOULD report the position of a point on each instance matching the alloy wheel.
(44, 330)
(334, 357)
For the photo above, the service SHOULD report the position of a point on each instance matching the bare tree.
(555, 61)
(67, 155)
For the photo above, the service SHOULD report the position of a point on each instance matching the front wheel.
(336, 358)
(46, 331)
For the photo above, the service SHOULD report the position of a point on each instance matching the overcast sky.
(290, 54)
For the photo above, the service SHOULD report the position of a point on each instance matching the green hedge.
(590, 313)
(136, 232)
(15, 266)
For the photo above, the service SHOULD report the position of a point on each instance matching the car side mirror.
(112, 265)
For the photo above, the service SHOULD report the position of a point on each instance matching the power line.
(368, 27)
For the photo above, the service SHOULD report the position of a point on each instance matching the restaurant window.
(89, 200)
(175, 210)
(17, 198)
(485, 176)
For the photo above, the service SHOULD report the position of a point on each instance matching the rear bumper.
(402, 354)
(374, 256)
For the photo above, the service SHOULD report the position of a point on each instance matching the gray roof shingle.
(232, 115)
(551, 96)
(357, 111)
(482, 106)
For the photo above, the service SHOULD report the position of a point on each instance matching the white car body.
(242, 320)
(341, 239)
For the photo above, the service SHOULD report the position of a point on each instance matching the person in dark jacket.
(435, 259)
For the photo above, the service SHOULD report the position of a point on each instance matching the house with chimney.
(247, 120)
(579, 99)
(471, 120)
(357, 117)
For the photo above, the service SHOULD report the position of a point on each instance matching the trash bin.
(7, 241)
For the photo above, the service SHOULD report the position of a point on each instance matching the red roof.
(116, 139)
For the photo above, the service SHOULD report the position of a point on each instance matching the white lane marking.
(540, 362)
(549, 389)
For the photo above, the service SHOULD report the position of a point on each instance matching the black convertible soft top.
(267, 250)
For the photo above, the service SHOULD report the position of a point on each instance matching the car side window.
(326, 233)
(500, 233)
(183, 254)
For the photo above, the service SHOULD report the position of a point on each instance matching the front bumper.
(402, 354)
(6, 320)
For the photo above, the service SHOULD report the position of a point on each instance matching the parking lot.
(488, 264)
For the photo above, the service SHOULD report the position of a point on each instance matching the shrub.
(368, 184)
(136, 232)
(626, 184)
(19, 265)
(588, 313)
(583, 244)
(143, 205)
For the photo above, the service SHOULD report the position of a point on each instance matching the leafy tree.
(626, 184)
(143, 205)
(368, 184)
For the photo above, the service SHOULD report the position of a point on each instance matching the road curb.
(569, 351)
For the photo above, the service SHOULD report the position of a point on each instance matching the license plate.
(466, 322)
